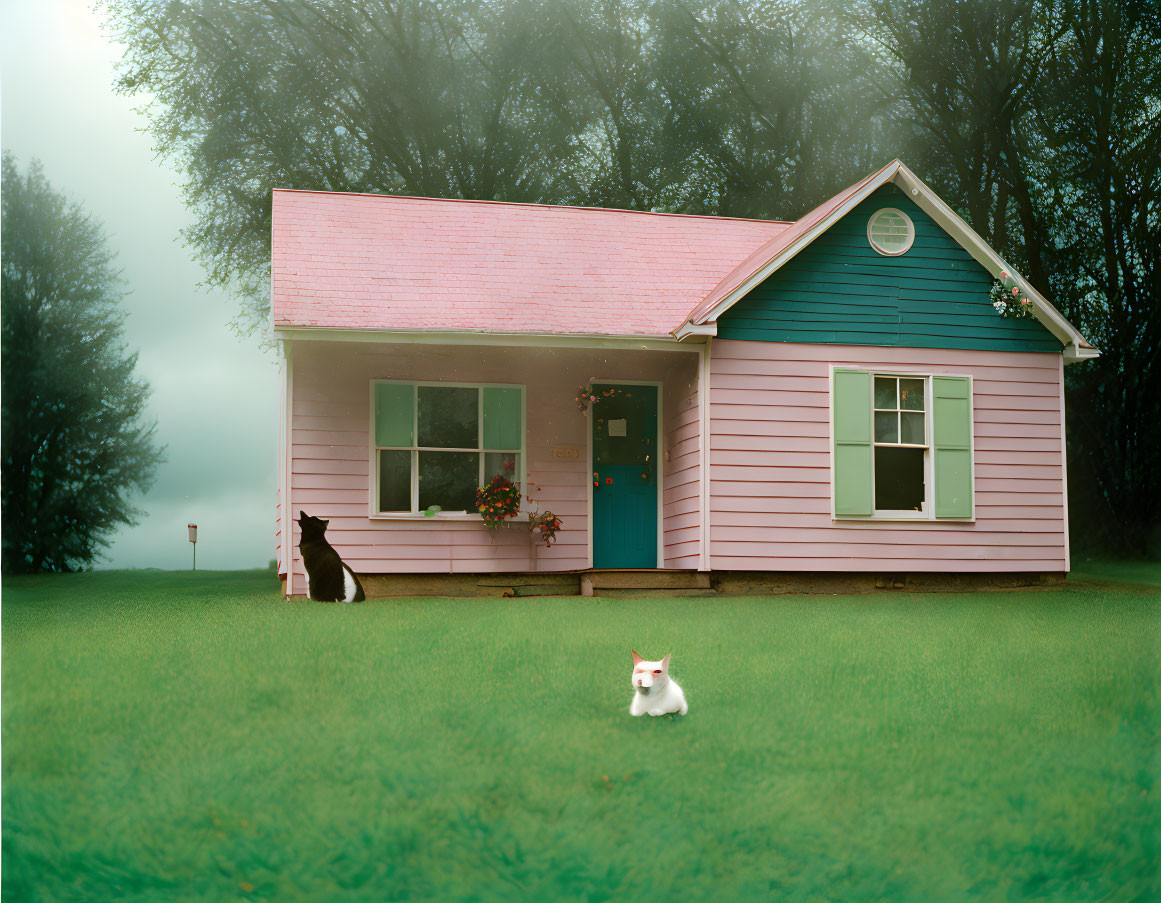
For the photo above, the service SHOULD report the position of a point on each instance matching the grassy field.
(177, 736)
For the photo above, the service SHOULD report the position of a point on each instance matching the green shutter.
(952, 445)
(502, 419)
(394, 415)
(854, 469)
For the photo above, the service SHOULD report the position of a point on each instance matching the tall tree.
(778, 112)
(1098, 167)
(75, 447)
(630, 155)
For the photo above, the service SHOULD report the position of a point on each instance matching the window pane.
(899, 479)
(886, 426)
(449, 418)
(911, 429)
(911, 394)
(394, 481)
(394, 414)
(502, 417)
(885, 392)
(506, 463)
(448, 479)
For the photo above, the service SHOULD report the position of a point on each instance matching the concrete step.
(670, 580)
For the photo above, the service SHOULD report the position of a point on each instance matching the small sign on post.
(193, 538)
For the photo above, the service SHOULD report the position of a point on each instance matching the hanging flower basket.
(1009, 301)
(544, 527)
(498, 501)
(587, 395)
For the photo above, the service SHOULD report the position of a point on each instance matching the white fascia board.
(1052, 319)
(402, 337)
(799, 243)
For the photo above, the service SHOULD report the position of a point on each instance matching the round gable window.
(891, 232)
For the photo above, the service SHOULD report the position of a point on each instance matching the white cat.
(653, 690)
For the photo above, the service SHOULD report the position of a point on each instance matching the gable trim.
(757, 277)
(967, 238)
(1076, 346)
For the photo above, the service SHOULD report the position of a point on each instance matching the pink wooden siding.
(331, 453)
(770, 505)
(682, 485)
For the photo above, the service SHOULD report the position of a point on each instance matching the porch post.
(287, 459)
(703, 400)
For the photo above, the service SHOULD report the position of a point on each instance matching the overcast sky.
(215, 397)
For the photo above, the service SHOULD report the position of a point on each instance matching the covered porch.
(376, 483)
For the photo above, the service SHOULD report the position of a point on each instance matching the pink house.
(833, 395)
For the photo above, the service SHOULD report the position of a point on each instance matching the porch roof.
(364, 261)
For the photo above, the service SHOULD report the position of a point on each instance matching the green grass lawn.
(177, 736)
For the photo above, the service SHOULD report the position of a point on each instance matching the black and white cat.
(327, 578)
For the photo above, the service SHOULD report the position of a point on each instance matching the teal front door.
(624, 424)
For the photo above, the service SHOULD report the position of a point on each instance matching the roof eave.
(284, 331)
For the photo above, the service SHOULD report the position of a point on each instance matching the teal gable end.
(839, 290)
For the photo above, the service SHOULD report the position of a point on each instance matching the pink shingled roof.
(361, 261)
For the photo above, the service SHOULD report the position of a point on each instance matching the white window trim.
(910, 232)
(887, 516)
(928, 475)
(373, 450)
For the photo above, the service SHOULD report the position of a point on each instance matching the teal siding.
(839, 290)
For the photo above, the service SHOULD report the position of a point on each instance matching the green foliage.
(75, 446)
(498, 501)
(1102, 158)
(186, 736)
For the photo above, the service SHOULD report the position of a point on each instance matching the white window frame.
(910, 232)
(924, 513)
(927, 516)
(416, 513)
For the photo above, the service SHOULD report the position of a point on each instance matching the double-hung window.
(435, 443)
(902, 446)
